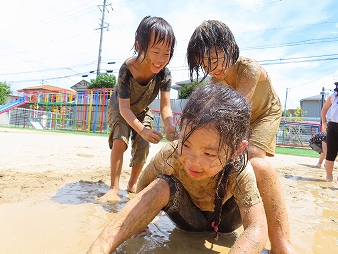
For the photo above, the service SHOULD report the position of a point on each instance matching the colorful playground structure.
(86, 112)
(81, 111)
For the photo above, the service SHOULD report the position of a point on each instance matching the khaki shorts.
(263, 133)
(120, 129)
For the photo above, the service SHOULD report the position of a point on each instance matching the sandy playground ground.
(48, 182)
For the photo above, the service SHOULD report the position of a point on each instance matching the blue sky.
(57, 41)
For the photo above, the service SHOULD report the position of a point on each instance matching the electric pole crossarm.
(101, 37)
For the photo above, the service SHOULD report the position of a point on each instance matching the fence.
(296, 134)
(86, 112)
(83, 111)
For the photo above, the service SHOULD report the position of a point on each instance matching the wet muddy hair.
(228, 112)
(210, 34)
(163, 34)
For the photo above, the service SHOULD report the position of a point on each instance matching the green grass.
(279, 150)
(297, 151)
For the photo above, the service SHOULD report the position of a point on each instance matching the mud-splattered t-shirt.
(141, 96)
(265, 100)
(241, 185)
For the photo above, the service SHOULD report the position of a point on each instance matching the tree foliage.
(287, 113)
(5, 90)
(298, 115)
(189, 88)
(103, 81)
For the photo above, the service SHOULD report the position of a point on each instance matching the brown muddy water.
(72, 219)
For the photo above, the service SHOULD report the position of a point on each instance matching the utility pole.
(101, 36)
(322, 103)
(286, 98)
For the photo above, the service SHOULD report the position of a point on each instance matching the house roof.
(178, 85)
(188, 81)
(313, 98)
(46, 88)
(82, 84)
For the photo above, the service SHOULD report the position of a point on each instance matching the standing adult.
(329, 117)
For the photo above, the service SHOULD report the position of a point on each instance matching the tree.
(287, 113)
(189, 88)
(103, 81)
(5, 90)
(298, 115)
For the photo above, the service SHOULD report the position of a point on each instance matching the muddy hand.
(151, 136)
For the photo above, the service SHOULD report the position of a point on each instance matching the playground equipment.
(14, 104)
(82, 111)
(86, 112)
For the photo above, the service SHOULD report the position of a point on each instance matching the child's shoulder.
(164, 74)
(169, 148)
(124, 68)
(247, 61)
(126, 64)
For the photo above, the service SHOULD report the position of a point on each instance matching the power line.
(296, 43)
(299, 59)
(182, 68)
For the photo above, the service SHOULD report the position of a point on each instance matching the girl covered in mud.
(203, 181)
(141, 79)
(212, 50)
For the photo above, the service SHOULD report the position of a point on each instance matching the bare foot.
(132, 189)
(329, 179)
(110, 196)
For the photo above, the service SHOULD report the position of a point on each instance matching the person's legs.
(322, 153)
(273, 199)
(332, 148)
(318, 147)
(140, 151)
(329, 170)
(321, 159)
(118, 143)
(116, 161)
(135, 173)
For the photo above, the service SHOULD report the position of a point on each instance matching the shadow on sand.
(303, 179)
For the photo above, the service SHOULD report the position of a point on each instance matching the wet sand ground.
(48, 182)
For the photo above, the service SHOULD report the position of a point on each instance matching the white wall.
(176, 104)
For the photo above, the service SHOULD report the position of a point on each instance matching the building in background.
(80, 86)
(312, 106)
